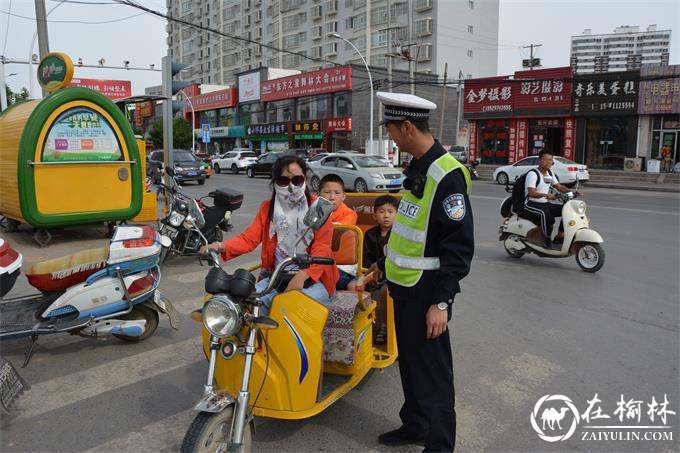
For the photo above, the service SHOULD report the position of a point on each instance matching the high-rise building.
(417, 35)
(625, 49)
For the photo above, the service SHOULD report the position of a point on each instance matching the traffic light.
(169, 88)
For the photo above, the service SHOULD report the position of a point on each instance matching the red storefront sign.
(307, 84)
(568, 148)
(145, 109)
(543, 92)
(472, 140)
(512, 142)
(489, 97)
(214, 100)
(113, 89)
(338, 125)
(521, 139)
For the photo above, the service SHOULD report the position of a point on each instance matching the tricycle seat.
(340, 337)
(60, 273)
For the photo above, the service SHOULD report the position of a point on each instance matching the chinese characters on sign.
(267, 129)
(606, 93)
(568, 148)
(659, 90)
(338, 125)
(472, 140)
(307, 84)
(521, 139)
(112, 89)
(306, 126)
(214, 100)
(513, 142)
(490, 98)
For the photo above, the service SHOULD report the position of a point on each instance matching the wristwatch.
(444, 305)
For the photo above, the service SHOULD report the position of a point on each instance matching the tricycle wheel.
(210, 432)
(10, 225)
(140, 312)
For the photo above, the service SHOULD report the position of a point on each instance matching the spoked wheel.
(234, 169)
(513, 246)
(250, 173)
(315, 183)
(140, 312)
(502, 178)
(590, 257)
(210, 433)
(360, 186)
(217, 169)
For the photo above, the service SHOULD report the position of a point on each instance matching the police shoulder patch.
(454, 205)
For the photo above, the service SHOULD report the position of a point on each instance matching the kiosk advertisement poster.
(81, 134)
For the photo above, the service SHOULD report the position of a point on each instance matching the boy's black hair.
(331, 178)
(544, 152)
(386, 199)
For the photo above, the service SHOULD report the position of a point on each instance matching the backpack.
(519, 191)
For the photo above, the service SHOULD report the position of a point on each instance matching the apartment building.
(408, 35)
(625, 49)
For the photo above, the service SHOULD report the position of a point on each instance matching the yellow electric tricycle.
(292, 363)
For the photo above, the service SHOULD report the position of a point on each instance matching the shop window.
(607, 141)
(341, 105)
(494, 142)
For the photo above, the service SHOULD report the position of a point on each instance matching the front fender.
(214, 402)
(587, 235)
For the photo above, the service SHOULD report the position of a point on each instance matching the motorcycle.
(275, 365)
(182, 238)
(521, 236)
(472, 169)
(106, 291)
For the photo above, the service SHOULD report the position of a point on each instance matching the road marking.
(70, 389)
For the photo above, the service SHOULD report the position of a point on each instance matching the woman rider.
(277, 226)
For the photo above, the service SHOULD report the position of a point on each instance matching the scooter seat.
(60, 273)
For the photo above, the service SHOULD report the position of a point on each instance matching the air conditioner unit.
(632, 164)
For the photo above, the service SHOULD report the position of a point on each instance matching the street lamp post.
(370, 80)
(193, 121)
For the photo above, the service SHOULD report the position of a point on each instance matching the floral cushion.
(338, 334)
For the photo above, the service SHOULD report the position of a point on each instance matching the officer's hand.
(436, 321)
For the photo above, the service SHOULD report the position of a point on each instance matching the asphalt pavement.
(522, 329)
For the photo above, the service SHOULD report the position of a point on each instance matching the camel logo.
(552, 417)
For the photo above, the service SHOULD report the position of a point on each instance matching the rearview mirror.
(318, 213)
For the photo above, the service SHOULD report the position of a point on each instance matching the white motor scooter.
(521, 236)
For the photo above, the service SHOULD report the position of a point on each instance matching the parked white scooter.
(521, 236)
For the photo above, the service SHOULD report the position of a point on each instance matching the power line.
(4, 47)
(71, 21)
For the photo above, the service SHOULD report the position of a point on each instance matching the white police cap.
(402, 107)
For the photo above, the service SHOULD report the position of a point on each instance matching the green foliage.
(181, 134)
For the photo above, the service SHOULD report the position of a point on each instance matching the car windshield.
(184, 156)
(369, 161)
(562, 160)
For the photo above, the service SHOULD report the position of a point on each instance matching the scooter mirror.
(318, 213)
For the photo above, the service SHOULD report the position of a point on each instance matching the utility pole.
(41, 24)
(441, 115)
(460, 103)
(531, 54)
(3, 90)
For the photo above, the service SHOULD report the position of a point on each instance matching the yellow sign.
(55, 71)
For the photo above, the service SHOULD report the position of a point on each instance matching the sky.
(141, 39)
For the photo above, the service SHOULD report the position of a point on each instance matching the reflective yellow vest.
(405, 254)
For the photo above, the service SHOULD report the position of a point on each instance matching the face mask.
(291, 193)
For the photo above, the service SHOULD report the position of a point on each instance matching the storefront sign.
(513, 142)
(145, 109)
(486, 98)
(659, 89)
(307, 84)
(80, 134)
(272, 131)
(338, 125)
(112, 89)
(606, 94)
(249, 87)
(138, 115)
(214, 100)
(472, 140)
(521, 139)
(55, 71)
(543, 92)
(306, 126)
(568, 148)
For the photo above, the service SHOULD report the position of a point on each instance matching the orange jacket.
(258, 233)
(345, 215)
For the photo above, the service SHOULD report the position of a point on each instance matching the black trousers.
(543, 215)
(426, 368)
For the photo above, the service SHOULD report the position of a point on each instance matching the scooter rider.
(537, 206)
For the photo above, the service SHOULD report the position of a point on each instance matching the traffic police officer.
(428, 253)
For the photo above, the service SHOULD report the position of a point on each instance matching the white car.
(360, 173)
(566, 170)
(234, 160)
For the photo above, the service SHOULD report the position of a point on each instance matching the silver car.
(359, 172)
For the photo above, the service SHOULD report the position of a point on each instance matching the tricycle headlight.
(222, 316)
(175, 219)
(580, 207)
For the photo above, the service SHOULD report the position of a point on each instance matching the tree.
(181, 134)
(16, 98)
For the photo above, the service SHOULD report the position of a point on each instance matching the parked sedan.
(360, 173)
(262, 165)
(566, 170)
(235, 160)
(187, 166)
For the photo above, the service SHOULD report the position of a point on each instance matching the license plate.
(191, 173)
(581, 170)
(395, 182)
